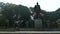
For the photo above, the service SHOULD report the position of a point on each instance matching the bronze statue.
(37, 11)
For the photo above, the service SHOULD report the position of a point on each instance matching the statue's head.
(37, 3)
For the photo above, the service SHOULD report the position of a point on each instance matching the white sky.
(48, 5)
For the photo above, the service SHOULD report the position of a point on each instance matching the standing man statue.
(37, 11)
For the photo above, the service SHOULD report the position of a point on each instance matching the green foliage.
(9, 10)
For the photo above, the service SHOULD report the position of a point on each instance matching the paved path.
(29, 31)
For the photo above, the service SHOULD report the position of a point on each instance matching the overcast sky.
(48, 5)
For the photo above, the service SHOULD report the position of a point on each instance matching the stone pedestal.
(38, 23)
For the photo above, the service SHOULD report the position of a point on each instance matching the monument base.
(38, 23)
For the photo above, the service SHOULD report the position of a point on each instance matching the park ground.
(29, 29)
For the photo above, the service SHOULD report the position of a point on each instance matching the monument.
(37, 17)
